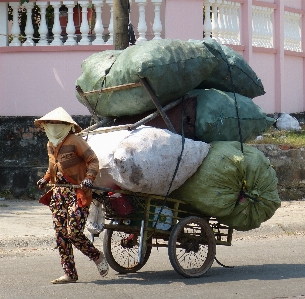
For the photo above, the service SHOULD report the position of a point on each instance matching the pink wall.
(263, 65)
(294, 91)
(35, 83)
(184, 19)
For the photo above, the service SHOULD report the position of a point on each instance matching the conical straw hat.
(59, 114)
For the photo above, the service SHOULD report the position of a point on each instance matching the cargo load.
(232, 72)
(238, 188)
(145, 159)
(217, 118)
(171, 67)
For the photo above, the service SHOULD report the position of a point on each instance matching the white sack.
(287, 122)
(104, 145)
(145, 160)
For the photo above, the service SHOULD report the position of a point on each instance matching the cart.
(157, 221)
(152, 220)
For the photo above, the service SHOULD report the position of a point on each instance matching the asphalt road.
(269, 262)
(264, 268)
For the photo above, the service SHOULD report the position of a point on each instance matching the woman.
(71, 161)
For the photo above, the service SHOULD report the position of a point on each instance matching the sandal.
(63, 279)
(102, 266)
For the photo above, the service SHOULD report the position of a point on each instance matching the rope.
(236, 107)
(219, 263)
(177, 165)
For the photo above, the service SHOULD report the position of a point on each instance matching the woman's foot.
(102, 265)
(63, 279)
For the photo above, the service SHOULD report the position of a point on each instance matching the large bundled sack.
(232, 72)
(216, 116)
(146, 159)
(238, 188)
(171, 67)
(104, 145)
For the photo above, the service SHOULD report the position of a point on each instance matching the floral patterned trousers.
(69, 221)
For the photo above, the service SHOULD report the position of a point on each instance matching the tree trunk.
(120, 24)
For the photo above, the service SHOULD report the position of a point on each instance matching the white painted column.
(3, 24)
(84, 28)
(142, 27)
(29, 29)
(70, 26)
(110, 28)
(215, 26)
(157, 26)
(15, 28)
(207, 26)
(221, 23)
(98, 28)
(43, 28)
(56, 30)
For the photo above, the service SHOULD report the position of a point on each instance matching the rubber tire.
(174, 241)
(115, 260)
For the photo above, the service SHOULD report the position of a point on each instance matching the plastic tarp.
(232, 72)
(216, 116)
(145, 160)
(238, 188)
(172, 68)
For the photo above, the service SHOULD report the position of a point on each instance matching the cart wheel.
(192, 247)
(121, 251)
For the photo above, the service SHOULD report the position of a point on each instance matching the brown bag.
(46, 198)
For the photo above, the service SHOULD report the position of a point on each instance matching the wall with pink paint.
(293, 78)
(34, 83)
(263, 65)
(184, 19)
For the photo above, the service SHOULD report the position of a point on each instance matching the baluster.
(262, 27)
(235, 24)
(157, 26)
(296, 33)
(262, 23)
(56, 29)
(98, 27)
(270, 27)
(84, 28)
(215, 22)
(207, 26)
(43, 28)
(110, 28)
(228, 18)
(221, 22)
(254, 26)
(15, 28)
(29, 29)
(70, 25)
(3, 24)
(142, 28)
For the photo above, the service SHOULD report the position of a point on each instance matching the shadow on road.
(216, 274)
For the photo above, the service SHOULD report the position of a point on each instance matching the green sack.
(238, 188)
(216, 116)
(245, 80)
(171, 67)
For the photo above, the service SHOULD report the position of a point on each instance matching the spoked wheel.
(121, 251)
(192, 247)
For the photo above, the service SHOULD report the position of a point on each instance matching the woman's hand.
(86, 183)
(41, 183)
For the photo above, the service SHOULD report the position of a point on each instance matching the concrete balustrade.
(74, 29)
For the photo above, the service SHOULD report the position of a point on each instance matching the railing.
(78, 23)
(222, 22)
